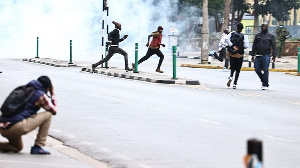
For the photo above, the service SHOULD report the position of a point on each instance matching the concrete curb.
(243, 68)
(142, 76)
(293, 73)
(50, 62)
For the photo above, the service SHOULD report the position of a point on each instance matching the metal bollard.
(106, 51)
(249, 60)
(70, 52)
(298, 59)
(136, 58)
(174, 62)
(37, 47)
(273, 65)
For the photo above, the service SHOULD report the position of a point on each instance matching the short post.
(70, 52)
(174, 62)
(106, 51)
(249, 60)
(136, 63)
(273, 65)
(298, 59)
(37, 47)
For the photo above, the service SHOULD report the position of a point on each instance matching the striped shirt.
(46, 103)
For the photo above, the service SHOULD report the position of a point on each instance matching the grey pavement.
(136, 124)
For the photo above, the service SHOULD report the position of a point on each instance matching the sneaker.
(36, 150)
(128, 69)
(225, 69)
(133, 66)
(160, 71)
(211, 53)
(265, 88)
(229, 81)
(234, 86)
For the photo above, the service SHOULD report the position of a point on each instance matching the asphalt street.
(136, 124)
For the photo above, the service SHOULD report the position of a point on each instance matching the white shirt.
(223, 42)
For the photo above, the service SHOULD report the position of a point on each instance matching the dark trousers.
(261, 63)
(222, 56)
(111, 52)
(151, 52)
(235, 66)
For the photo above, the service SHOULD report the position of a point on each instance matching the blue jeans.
(262, 63)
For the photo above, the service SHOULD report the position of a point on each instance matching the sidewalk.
(61, 156)
(117, 72)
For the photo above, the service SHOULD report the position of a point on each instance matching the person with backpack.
(236, 51)
(263, 45)
(114, 37)
(154, 48)
(26, 119)
(222, 49)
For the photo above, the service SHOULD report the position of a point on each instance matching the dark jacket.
(30, 107)
(264, 44)
(114, 37)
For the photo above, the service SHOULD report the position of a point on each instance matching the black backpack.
(236, 40)
(16, 100)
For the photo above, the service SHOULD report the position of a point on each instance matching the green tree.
(281, 9)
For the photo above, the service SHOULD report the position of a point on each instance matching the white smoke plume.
(56, 22)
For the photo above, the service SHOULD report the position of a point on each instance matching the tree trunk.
(226, 14)
(204, 34)
(255, 17)
(218, 24)
(295, 17)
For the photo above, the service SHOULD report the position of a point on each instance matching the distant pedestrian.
(154, 48)
(239, 42)
(281, 36)
(222, 49)
(114, 38)
(263, 44)
(27, 120)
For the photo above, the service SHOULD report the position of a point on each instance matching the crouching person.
(28, 119)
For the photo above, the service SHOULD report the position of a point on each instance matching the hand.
(147, 44)
(163, 45)
(125, 36)
(236, 48)
(51, 90)
(4, 125)
(274, 58)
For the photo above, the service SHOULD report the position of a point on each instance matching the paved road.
(143, 125)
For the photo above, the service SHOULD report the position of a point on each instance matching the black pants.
(111, 52)
(151, 52)
(235, 66)
(222, 56)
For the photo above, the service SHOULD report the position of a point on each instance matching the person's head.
(160, 29)
(239, 27)
(226, 31)
(46, 82)
(264, 28)
(117, 25)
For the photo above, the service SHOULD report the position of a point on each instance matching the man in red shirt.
(154, 48)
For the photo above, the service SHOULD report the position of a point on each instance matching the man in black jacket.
(264, 43)
(114, 37)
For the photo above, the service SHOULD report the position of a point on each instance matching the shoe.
(234, 86)
(160, 71)
(225, 69)
(128, 69)
(229, 81)
(93, 67)
(211, 53)
(133, 66)
(265, 88)
(36, 150)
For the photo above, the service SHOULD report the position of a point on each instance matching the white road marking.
(157, 109)
(278, 139)
(210, 122)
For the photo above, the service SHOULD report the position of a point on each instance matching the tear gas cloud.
(56, 22)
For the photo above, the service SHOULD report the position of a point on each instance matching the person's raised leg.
(161, 59)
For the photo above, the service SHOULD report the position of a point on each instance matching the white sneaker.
(229, 81)
(265, 88)
(234, 86)
(225, 69)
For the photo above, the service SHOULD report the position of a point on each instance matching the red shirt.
(156, 40)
